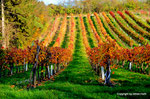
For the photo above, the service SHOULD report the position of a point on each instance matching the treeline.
(90, 6)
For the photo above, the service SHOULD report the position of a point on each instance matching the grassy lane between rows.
(56, 34)
(67, 34)
(91, 37)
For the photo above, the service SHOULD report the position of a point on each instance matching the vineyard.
(81, 56)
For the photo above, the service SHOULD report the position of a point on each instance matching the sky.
(50, 1)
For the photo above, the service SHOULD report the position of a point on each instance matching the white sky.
(51, 1)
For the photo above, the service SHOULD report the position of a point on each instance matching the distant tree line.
(90, 6)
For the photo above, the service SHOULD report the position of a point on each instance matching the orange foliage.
(50, 35)
(85, 40)
(94, 30)
(61, 33)
(72, 35)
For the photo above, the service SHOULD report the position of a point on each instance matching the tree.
(24, 17)
(3, 25)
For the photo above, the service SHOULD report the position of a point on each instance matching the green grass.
(135, 82)
(78, 81)
(16, 79)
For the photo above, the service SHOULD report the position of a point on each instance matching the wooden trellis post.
(34, 67)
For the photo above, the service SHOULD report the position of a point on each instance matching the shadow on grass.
(19, 79)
